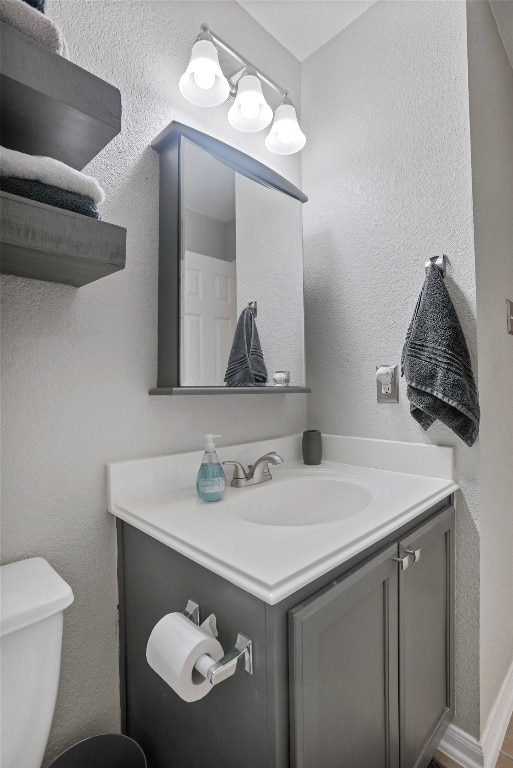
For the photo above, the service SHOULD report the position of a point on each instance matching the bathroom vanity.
(351, 618)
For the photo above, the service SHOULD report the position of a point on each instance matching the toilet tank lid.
(30, 591)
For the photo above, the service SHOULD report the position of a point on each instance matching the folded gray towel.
(436, 364)
(34, 24)
(246, 367)
(45, 193)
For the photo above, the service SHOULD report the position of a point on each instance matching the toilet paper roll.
(174, 647)
(203, 664)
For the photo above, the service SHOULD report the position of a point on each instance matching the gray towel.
(46, 193)
(246, 367)
(436, 364)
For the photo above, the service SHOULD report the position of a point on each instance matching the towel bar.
(437, 261)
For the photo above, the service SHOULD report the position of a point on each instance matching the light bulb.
(204, 78)
(249, 112)
(285, 131)
(249, 107)
(203, 82)
(285, 136)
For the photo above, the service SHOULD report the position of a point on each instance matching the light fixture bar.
(205, 30)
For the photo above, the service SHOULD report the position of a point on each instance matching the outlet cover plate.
(509, 308)
(393, 396)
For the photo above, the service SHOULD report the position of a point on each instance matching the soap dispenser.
(211, 480)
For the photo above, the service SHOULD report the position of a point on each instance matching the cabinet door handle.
(403, 562)
(415, 553)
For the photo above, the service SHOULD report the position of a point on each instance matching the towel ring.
(437, 261)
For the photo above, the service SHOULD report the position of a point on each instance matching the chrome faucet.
(258, 472)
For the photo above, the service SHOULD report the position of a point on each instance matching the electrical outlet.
(388, 392)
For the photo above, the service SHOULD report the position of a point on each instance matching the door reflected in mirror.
(241, 242)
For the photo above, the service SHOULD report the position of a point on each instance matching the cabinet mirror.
(230, 271)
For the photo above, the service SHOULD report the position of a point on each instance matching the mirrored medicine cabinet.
(230, 236)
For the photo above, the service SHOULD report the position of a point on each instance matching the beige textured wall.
(491, 129)
(77, 364)
(387, 170)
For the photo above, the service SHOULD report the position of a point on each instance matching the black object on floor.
(46, 193)
(110, 750)
(435, 764)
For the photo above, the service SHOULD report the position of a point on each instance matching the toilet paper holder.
(192, 612)
(227, 666)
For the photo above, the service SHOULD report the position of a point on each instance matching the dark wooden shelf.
(46, 243)
(271, 390)
(50, 106)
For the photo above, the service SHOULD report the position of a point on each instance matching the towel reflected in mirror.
(246, 366)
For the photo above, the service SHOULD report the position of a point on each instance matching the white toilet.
(33, 598)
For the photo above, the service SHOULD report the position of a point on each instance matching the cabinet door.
(426, 667)
(343, 671)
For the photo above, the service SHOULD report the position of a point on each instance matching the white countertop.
(158, 497)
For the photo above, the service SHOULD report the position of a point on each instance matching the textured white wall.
(387, 170)
(491, 129)
(77, 364)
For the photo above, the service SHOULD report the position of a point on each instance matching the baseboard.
(462, 748)
(468, 751)
(495, 728)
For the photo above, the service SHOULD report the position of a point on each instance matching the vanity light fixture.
(205, 84)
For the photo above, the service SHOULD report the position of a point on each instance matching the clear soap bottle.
(211, 480)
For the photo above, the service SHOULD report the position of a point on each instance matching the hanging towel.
(436, 364)
(31, 22)
(45, 193)
(18, 165)
(246, 367)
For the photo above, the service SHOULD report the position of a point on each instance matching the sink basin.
(306, 498)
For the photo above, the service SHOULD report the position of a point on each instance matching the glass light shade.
(250, 112)
(285, 136)
(203, 82)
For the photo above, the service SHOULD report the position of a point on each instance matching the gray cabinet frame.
(168, 144)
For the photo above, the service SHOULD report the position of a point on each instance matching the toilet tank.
(33, 597)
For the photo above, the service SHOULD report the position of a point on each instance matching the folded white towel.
(49, 171)
(31, 22)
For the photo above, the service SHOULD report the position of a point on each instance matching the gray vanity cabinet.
(352, 671)
(371, 660)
